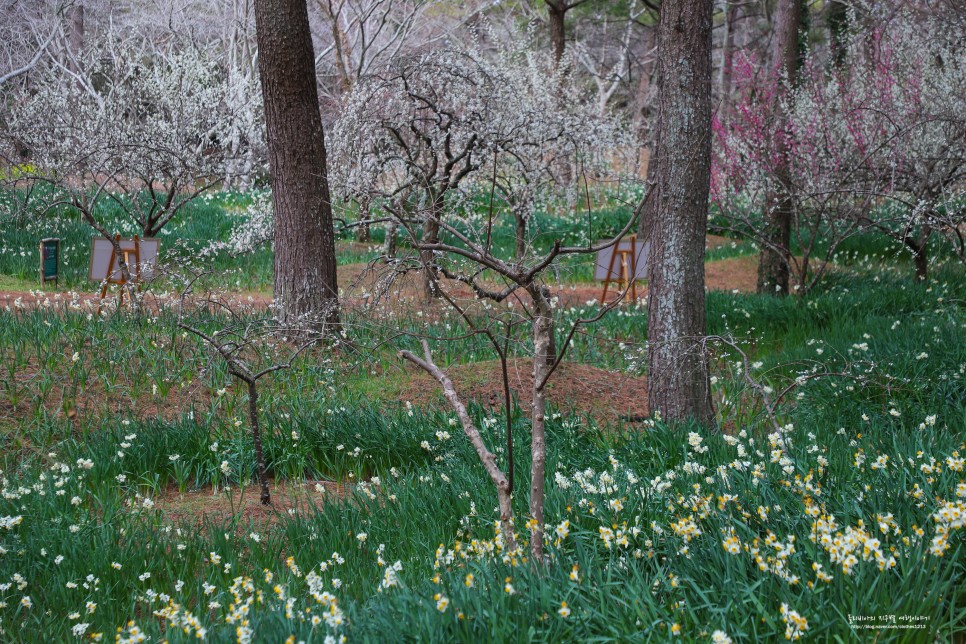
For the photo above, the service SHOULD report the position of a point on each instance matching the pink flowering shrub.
(878, 144)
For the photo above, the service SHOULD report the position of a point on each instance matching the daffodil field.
(834, 509)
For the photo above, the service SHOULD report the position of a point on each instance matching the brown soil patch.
(288, 498)
(714, 241)
(734, 273)
(604, 395)
(82, 402)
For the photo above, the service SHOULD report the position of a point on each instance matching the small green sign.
(49, 259)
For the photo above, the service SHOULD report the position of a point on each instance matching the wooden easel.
(133, 267)
(628, 268)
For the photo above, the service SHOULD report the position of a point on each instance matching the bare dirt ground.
(604, 395)
(244, 506)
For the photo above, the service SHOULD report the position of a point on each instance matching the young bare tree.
(458, 116)
(464, 262)
(251, 347)
(678, 381)
(306, 288)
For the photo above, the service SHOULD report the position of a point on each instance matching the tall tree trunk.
(306, 290)
(640, 119)
(75, 38)
(775, 257)
(76, 28)
(343, 50)
(678, 385)
(558, 28)
(727, 64)
(837, 20)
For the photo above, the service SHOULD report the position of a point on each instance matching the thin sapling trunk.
(260, 470)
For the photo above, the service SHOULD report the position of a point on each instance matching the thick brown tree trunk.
(558, 29)
(306, 291)
(340, 40)
(775, 257)
(678, 386)
(75, 37)
(640, 118)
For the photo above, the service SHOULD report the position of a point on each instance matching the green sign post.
(49, 260)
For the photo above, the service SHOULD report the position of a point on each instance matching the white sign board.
(101, 266)
(604, 261)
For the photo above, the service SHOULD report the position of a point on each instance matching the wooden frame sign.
(140, 255)
(50, 261)
(623, 263)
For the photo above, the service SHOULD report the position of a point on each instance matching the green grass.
(89, 504)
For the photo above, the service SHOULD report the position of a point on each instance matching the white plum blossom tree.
(142, 132)
(448, 124)
(419, 127)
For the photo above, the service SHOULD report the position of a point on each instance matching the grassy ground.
(124, 448)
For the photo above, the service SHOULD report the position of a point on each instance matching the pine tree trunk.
(678, 385)
(775, 257)
(640, 120)
(306, 290)
(76, 34)
(558, 29)
(727, 64)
